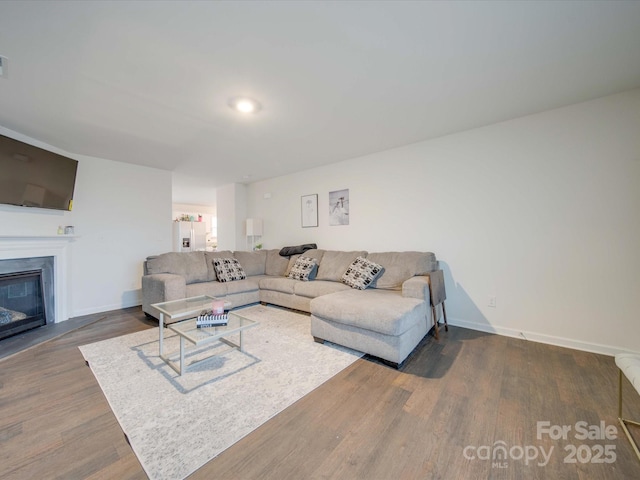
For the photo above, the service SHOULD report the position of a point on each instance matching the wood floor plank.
(469, 389)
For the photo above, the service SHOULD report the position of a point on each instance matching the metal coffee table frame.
(185, 310)
(188, 331)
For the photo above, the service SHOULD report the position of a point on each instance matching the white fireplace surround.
(26, 246)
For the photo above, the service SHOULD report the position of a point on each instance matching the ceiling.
(148, 82)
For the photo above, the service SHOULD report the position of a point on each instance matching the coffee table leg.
(161, 325)
(181, 354)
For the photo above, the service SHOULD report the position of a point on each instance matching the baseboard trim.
(539, 338)
(105, 308)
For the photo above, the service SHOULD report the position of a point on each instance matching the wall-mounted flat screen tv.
(33, 177)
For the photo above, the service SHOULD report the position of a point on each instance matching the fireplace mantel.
(57, 246)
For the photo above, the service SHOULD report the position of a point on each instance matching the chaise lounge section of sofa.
(387, 319)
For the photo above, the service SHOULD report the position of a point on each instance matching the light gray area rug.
(177, 424)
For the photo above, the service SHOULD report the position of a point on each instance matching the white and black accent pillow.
(303, 268)
(228, 269)
(361, 273)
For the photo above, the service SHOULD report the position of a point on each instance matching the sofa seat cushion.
(317, 288)
(221, 289)
(382, 311)
(215, 289)
(250, 284)
(278, 284)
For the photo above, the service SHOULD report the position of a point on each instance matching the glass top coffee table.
(188, 331)
(180, 317)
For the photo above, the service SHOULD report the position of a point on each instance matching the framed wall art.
(309, 209)
(339, 207)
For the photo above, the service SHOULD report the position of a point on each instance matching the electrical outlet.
(492, 301)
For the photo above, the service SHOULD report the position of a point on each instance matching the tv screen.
(33, 177)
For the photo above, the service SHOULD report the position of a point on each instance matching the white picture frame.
(309, 210)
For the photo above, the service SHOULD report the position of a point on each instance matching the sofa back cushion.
(275, 264)
(334, 263)
(191, 265)
(253, 263)
(400, 266)
(210, 257)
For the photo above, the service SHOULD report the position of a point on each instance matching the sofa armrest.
(416, 287)
(426, 287)
(161, 287)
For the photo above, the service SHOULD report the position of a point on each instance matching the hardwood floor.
(54, 419)
(439, 417)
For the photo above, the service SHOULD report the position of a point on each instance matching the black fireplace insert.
(21, 302)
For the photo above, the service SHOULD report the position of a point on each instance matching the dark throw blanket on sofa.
(297, 250)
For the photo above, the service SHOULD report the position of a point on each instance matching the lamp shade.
(254, 227)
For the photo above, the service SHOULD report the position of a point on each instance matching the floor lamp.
(254, 229)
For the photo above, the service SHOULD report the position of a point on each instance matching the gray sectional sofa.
(387, 320)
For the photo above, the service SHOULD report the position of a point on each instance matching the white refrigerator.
(189, 236)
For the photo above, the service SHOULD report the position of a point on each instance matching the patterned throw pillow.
(228, 269)
(303, 268)
(361, 273)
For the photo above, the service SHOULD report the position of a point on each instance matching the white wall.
(542, 212)
(231, 209)
(121, 214)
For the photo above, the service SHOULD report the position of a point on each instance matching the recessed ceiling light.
(244, 105)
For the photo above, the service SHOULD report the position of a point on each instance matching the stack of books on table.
(209, 319)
